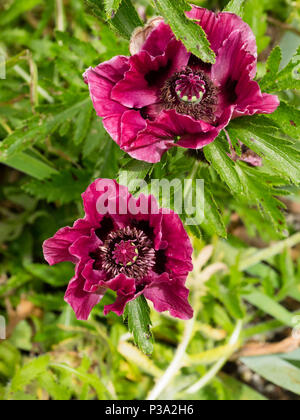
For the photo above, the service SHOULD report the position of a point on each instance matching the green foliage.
(190, 34)
(278, 80)
(280, 370)
(65, 187)
(138, 315)
(52, 145)
(111, 7)
(235, 6)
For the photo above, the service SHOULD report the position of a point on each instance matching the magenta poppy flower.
(127, 245)
(163, 96)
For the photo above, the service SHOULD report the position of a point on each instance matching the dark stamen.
(128, 251)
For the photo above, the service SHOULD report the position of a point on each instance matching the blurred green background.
(245, 288)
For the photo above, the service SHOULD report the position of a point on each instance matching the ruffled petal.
(56, 249)
(232, 62)
(169, 295)
(102, 197)
(218, 27)
(84, 246)
(158, 40)
(179, 251)
(232, 73)
(251, 101)
(94, 278)
(125, 289)
(142, 83)
(160, 135)
(81, 301)
(132, 123)
(101, 80)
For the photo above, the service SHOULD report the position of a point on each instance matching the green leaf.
(217, 155)
(96, 7)
(276, 370)
(64, 187)
(138, 313)
(287, 78)
(272, 68)
(30, 165)
(133, 173)
(270, 307)
(259, 191)
(57, 391)
(28, 373)
(55, 276)
(83, 124)
(191, 34)
(17, 8)
(126, 20)
(111, 7)
(89, 378)
(213, 222)
(235, 6)
(239, 391)
(276, 151)
(287, 118)
(39, 127)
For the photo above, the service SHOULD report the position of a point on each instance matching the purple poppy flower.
(127, 245)
(163, 96)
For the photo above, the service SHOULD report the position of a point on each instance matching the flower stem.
(176, 363)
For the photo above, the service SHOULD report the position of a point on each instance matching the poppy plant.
(128, 245)
(163, 96)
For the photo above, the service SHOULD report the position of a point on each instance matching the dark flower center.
(128, 251)
(191, 92)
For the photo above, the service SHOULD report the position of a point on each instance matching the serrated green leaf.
(39, 127)
(275, 150)
(259, 192)
(83, 124)
(287, 118)
(191, 34)
(139, 323)
(26, 374)
(126, 20)
(111, 7)
(57, 391)
(272, 67)
(235, 6)
(89, 378)
(64, 187)
(213, 222)
(133, 173)
(217, 155)
(287, 78)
